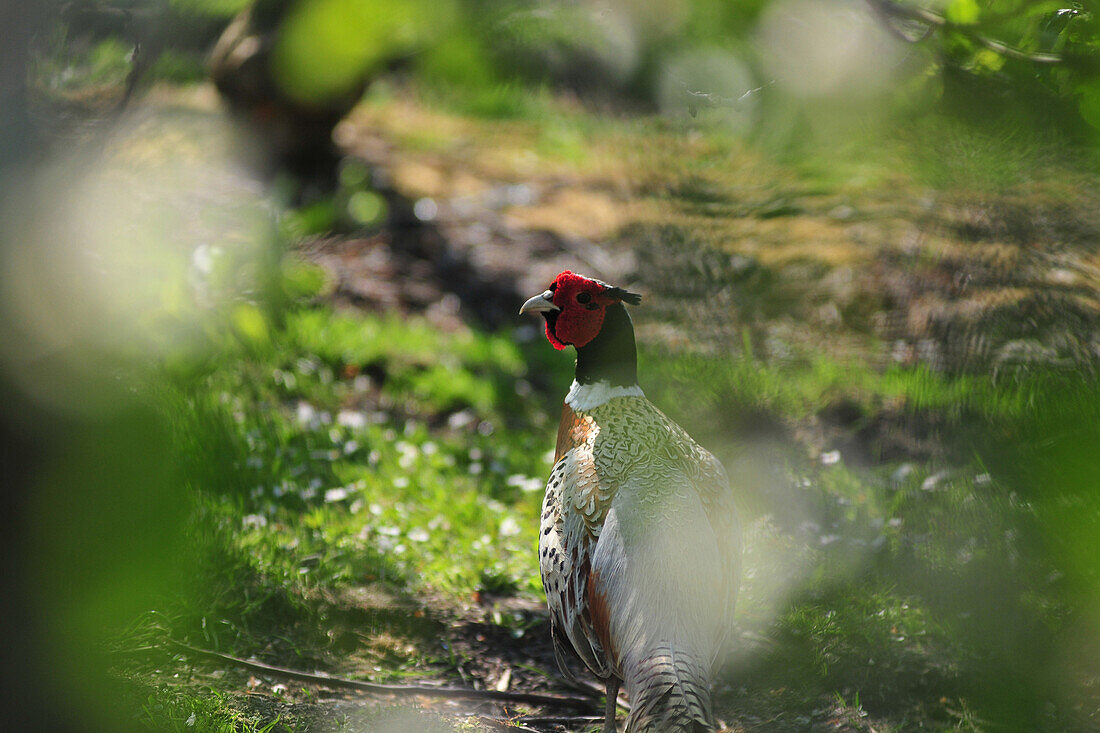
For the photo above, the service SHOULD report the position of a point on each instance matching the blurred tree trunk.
(20, 21)
(22, 673)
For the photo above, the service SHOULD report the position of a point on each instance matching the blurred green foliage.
(215, 8)
(326, 46)
(236, 454)
(989, 63)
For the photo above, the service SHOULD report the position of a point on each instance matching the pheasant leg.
(612, 696)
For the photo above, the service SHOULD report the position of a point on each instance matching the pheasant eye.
(584, 297)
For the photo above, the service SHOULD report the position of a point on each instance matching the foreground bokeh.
(306, 427)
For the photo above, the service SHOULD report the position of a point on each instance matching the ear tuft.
(623, 295)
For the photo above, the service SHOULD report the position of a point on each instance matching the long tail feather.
(669, 693)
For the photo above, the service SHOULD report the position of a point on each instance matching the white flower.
(409, 453)
(306, 414)
(527, 484)
(351, 419)
(254, 521)
(338, 494)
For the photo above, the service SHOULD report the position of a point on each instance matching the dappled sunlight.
(272, 408)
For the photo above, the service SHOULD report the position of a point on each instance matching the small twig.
(587, 688)
(374, 687)
(717, 100)
(575, 683)
(558, 720)
(509, 724)
(889, 8)
(135, 650)
(583, 687)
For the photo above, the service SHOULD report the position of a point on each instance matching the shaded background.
(264, 392)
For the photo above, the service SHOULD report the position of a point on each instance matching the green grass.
(350, 454)
(741, 387)
(327, 452)
(418, 367)
(335, 455)
(170, 710)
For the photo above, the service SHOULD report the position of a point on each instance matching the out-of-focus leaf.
(315, 218)
(1089, 103)
(963, 12)
(251, 324)
(302, 279)
(460, 58)
(987, 60)
(214, 8)
(366, 207)
(327, 47)
(354, 174)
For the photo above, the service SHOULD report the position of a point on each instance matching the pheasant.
(639, 544)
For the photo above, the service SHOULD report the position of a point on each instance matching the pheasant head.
(589, 315)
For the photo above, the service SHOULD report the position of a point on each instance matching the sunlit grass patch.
(446, 495)
(338, 456)
(169, 709)
(343, 455)
(339, 361)
(744, 388)
(434, 513)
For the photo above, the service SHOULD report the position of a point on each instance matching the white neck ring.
(584, 397)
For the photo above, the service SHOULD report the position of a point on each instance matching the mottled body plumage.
(639, 552)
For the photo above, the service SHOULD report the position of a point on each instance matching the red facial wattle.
(551, 337)
(583, 306)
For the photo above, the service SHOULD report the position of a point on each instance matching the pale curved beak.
(541, 302)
